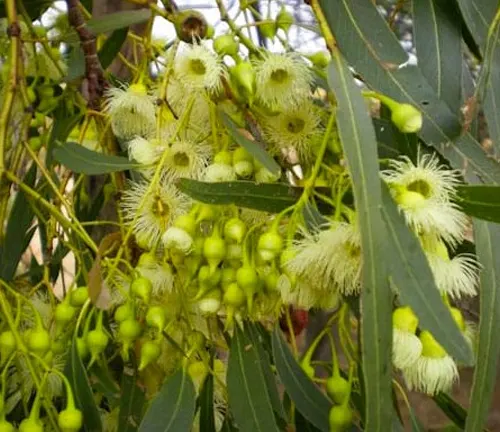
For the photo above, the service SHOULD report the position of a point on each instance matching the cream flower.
(187, 159)
(178, 239)
(434, 371)
(151, 210)
(406, 346)
(131, 110)
(282, 80)
(218, 172)
(424, 192)
(198, 68)
(330, 258)
(296, 126)
(146, 152)
(455, 277)
(158, 272)
(302, 295)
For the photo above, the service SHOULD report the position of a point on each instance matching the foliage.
(251, 187)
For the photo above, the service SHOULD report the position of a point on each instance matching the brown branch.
(95, 82)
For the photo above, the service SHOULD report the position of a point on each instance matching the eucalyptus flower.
(406, 346)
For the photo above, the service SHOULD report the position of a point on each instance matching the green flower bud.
(406, 117)
(226, 45)
(223, 157)
(30, 93)
(187, 222)
(235, 229)
(234, 296)
(320, 59)
(243, 77)
(142, 287)
(228, 275)
(210, 304)
(97, 341)
(338, 388)
(340, 418)
(268, 28)
(214, 250)
(124, 311)
(241, 154)
(156, 317)
(284, 19)
(248, 280)
(31, 425)
(270, 245)
(45, 91)
(64, 313)
(79, 296)
(129, 330)
(82, 348)
(39, 341)
(5, 426)
(150, 351)
(243, 169)
(70, 420)
(35, 143)
(7, 345)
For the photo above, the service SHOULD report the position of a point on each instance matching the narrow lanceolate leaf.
(84, 161)
(454, 411)
(487, 238)
(384, 67)
(414, 281)
(360, 147)
(269, 197)
(64, 122)
(478, 15)
(438, 40)
(206, 404)
(173, 408)
(132, 400)
(310, 402)
(112, 22)
(82, 392)
(480, 201)
(249, 401)
(246, 140)
(112, 46)
(20, 219)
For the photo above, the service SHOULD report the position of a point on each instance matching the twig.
(94, 75)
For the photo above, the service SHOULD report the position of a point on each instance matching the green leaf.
(480, 201)
(173, 408)
(265, 367)
(64, 122)
(438, 40)
(82, 160)
(82, 392)
(487, 238)
(413, 278)
(269, 197)
(206, 403)
(76, 63)
(20, 219)
(248, 401)
(478, 15)
(112, 46)
(111, 22)
(132, 400)
(383, 65)
(255, 148)
(312, 404)
(360, 147)
(455, 412)
(34, 8)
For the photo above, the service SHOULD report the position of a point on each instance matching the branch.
(94, 74)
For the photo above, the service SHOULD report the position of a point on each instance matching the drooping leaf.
(82, 392)
(414, 281)
(246, 140)
(384, 66)
(270, 197)
(308, 399)
(478, 15)
(455, 412)
(206, 403)
(480, 201)
(360, 148)
(173, 408)
(132, 400)
(249, 402)
(438, 40)
(19, 221)
(112, 46)
(82, 160)
(111, 22)
(487, 238)
(264, 364)
(64, 122)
